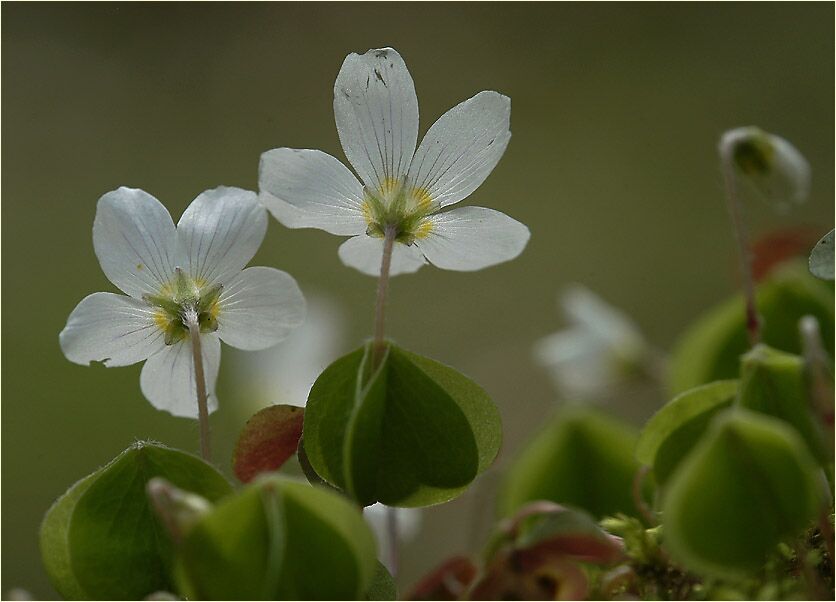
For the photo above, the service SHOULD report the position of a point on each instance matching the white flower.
(771, 165)
(596, 352)
(195, 269)
(376, 111)
(407, 520)
(285, 373)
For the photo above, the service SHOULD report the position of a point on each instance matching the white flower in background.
(176, 275)
(773, 167)
(601, 347)
(408, 521)
(402, 188)
(286, 372)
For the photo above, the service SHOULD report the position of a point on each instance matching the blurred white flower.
(285, 373)
(376, 111)
(773, 167)
(408, 521)
(599, 350)
(191, 274)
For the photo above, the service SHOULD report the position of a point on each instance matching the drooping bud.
(769, 164)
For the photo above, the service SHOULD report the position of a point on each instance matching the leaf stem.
(392, 530)
(379, 345)
(741, 235)
(200, 382)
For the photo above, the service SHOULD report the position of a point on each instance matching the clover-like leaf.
(710, 349)
(775, 383)
(278, 540)
(675, 429)
(413, 432)
(102, 540)
(821, 259)
(582, 458)
(749, 484)
(267, 441)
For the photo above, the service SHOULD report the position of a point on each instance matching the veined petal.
(365, 253)
(311, 189)
(472, 238)
(135, 241)
(110, 328)
(259, 307)
(462, 148)
(376, 111)
(220, 231)
(168, 380)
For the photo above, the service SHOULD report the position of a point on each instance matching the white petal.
(462, 148)
(311, 189)
(365, 253)
(609, 325)
(259, 307)
(286, 372)
(168, 381)
(582, 367)
(135, 241)
(220, 231)
(472, 238)
(377, 115)
(109, 328)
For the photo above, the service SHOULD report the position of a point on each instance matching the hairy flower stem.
(200, 382)
(378, 349)
(741, 235)
(379, 345)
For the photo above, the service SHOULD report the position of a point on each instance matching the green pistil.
(187, 299)
(402, 212)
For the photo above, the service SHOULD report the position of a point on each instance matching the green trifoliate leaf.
(749, 484)
(102, 539)
(582, 458)
(710, 349)
(821, 259)
(278, 540)
(675, 429)
(412, 433)
(775, 383)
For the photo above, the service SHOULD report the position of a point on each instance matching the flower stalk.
(200, 383)
(378, 344)
(741, 235)
(390, 232)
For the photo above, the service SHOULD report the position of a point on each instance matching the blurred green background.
(616, 113)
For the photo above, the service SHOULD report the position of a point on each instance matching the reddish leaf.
(446, 582)
(268, 439)
(778, 246)
(551, 578)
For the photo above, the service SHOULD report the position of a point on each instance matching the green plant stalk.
(200, 382)
(390, 232)
(741, 235)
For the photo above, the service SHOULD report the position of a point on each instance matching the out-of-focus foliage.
(582, 458)
(710, 349)
(101, 540)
